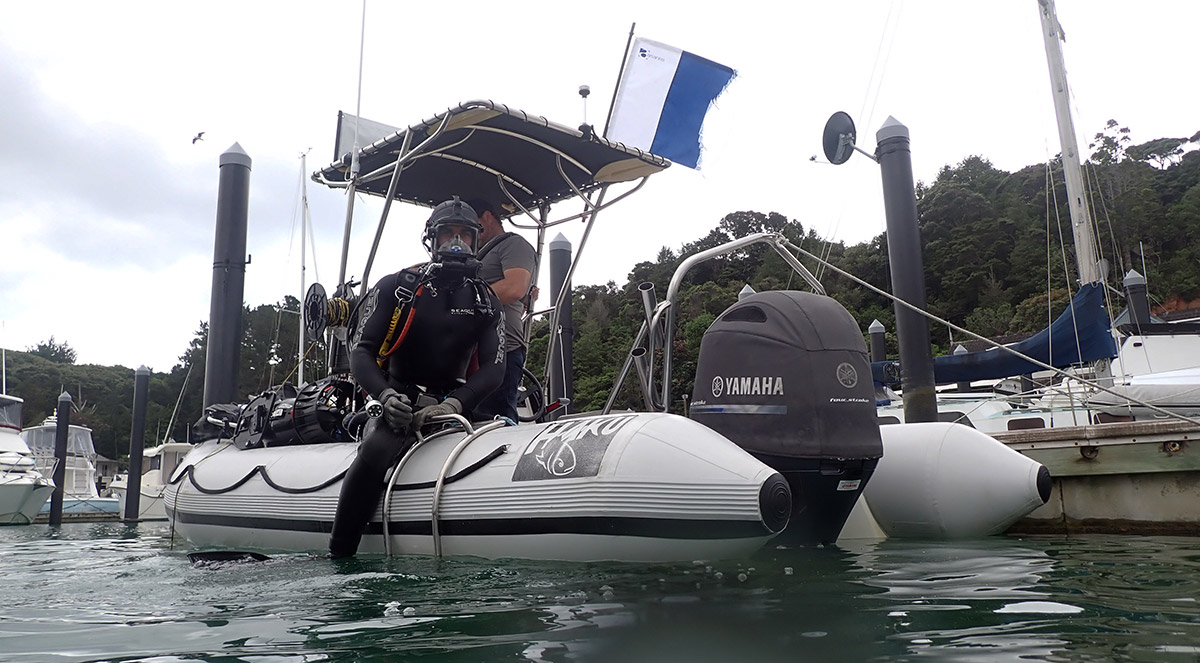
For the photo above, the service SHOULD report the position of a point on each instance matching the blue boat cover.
(1080, 334)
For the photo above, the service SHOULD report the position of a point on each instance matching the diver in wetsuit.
(417, 331)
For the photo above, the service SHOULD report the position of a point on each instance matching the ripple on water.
(118, 592)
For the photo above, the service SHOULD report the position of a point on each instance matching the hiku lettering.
(569, 449)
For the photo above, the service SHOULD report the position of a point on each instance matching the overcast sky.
(107, 208)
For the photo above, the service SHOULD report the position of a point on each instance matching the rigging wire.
(883, 50)
(1094, 193)
(1049, 182)
(295, 216)
(362, 42)
(312, 245)
(1066, 276)
(1052, 195)
(171, 421)
(311, 346)
(991, 343)
(887, 37)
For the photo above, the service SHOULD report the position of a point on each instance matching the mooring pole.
(137, 444)
(1136, 299)
(878, 341)
(893, 150)
(62, 418)
(961, 387)
(562, 380)
(229, 278)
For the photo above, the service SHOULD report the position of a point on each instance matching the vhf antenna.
(585, 128)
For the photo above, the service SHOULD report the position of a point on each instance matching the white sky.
(107, 209)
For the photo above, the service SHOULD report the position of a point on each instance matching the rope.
(292, 372)
(339, 312)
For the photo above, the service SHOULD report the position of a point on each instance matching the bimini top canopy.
(486, 150)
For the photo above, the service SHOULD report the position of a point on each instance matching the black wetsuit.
(449, 321)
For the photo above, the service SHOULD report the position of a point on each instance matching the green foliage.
(103, 395)
(1109, 144)
(60, 353)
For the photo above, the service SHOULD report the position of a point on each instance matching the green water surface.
(116, 592)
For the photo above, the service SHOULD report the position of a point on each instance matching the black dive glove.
(448, 406)
(397, 413)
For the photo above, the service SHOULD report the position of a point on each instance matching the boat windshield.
(79, 441)
(10, 414)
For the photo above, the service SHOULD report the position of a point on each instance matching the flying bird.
(199, 136)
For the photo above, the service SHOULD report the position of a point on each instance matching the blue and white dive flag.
(662, 98)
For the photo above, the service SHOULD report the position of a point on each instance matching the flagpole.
(624, 58)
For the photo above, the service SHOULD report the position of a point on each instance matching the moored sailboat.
(1114, 435)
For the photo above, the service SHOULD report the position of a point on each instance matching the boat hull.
(85, 506)
(150, 501)
(22, 497)
(628, 487)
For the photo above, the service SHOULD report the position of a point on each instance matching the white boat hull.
(150, 501)
(23, 490)
(22, 497)
(160, 462)
(630, 487)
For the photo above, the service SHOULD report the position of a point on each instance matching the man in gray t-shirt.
(507, 264)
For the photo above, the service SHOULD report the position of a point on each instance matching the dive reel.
(321, 312)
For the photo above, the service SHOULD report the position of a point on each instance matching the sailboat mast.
(303, 249)
(1081, 219)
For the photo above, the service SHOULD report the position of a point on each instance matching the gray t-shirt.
(508, 251)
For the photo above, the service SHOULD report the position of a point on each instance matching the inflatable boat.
(626, 486)
(781, 441)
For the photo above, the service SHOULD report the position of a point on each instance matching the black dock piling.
(878, 338)
(562, 378)
(1136, 299)
(137, 442)
(893, 150)
(961, 387)
(229, 277)
(62, 418)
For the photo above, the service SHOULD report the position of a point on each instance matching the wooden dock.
(44, 518)
(1139, 477)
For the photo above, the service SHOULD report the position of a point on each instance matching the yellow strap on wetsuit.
(384, 350)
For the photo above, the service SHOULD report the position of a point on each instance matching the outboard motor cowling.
(784, 374)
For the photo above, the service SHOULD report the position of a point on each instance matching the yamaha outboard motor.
(784, 374)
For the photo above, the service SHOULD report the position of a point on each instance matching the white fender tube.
(944, 481)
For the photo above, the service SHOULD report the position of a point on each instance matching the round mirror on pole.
(838, 139)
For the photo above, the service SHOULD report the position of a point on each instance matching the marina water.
(117, 592)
